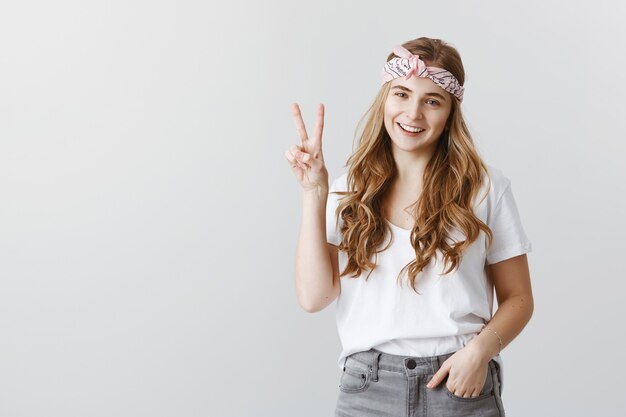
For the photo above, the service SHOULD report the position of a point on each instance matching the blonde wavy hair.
(452, 179)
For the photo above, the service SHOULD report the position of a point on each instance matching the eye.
(400, 93)
(433, 101)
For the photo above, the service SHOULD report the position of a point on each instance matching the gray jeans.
(377, 384)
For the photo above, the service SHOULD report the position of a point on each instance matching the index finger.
(297, 117)
(319, 128)
(439, 376)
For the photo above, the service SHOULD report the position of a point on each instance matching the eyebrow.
(403, 88)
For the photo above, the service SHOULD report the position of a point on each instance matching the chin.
(409, 145)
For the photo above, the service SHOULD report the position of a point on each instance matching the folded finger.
(291, 159)
(295, 161)
(299, 154)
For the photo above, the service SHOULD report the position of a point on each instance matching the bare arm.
(317, 281)
(511, 280)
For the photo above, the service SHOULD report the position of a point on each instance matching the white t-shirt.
(451, 310)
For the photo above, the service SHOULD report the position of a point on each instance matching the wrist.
(486, 344)
(320, 193)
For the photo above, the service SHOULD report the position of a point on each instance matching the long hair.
(452, 179)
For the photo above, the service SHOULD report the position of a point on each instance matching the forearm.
(508, 322)
(314, 276)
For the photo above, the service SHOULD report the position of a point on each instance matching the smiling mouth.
(413, 132)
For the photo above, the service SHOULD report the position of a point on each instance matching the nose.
(414, 111)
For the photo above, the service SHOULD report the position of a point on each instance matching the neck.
(410, 167)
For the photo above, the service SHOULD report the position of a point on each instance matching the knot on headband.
(407, 65)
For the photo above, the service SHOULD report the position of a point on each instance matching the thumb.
(439, 376)
(314, 162)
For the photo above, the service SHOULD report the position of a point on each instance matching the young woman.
(411, 241)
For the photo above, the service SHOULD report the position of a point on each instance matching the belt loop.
(376, 356)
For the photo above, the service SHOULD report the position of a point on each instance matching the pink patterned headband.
(408, 65)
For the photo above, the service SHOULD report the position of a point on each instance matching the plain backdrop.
(149, 219)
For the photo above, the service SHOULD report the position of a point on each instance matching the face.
(416, 103)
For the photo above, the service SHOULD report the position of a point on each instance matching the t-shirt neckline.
(398, 227)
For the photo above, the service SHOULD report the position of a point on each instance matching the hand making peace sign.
(306, 160)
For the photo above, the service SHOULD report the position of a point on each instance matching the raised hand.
(306, 160)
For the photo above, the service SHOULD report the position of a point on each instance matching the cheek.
(387, 124)
(391, 111)
(441, 120)
(387, 115)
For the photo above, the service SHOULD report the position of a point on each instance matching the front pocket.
(486, 392)
(355, 376)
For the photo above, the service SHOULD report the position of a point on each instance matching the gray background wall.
(148, 217)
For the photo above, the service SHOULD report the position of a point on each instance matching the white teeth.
(411, 129)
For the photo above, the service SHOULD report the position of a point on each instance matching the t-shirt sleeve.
(333, 230)
(509, 237)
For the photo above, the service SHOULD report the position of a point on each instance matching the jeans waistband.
(409, 365)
